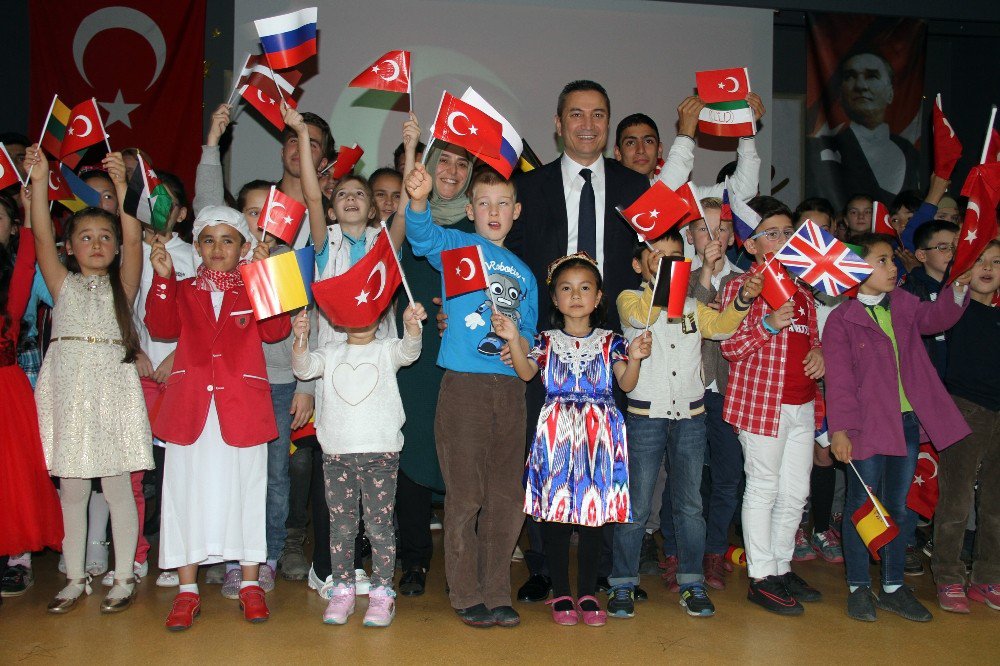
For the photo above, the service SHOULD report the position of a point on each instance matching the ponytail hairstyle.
(123, 309)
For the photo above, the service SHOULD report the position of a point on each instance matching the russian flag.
(510, 141)
(745, 219)
(288, 39)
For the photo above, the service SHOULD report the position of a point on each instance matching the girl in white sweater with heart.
(358, 423)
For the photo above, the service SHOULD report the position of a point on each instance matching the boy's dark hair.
(241, 197)
(766, 207)
(922, 236)
(87, 175)
(632, 121)
(484, 174)
(856, 196)
(598, 315)
(725, 172)
(326, 144)
(400, 149)
(908, 199)
(582, 85)
(818, 204)
(123, 309)
(14, 138)
(672, 234)
(869, 240)
(384, 171)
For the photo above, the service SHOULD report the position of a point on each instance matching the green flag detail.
(148, 199)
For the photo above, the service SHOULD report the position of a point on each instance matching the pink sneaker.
(669, 575)
(381, 607)
(341, 605)
(591, 618)
(988, 594)
(952, 598)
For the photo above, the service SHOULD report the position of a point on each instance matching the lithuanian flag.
(727, 119)
(55, 130)
(875, 527)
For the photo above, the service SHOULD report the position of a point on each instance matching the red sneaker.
(187, 606)
(985, 594)
(252, 603)
(715, 573)
(669, 566)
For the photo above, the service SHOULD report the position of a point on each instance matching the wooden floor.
(426, 630)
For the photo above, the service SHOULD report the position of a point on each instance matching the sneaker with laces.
(803, 549)
(231, 584)
(323, 587)
(341, 604)
(695, 600)
(770, 594)
(904, 604)
(861, 604)
(827, 545)
(985, 593)
(929, 548)
(621, 601)
(381, 607)
(253, 604)
(715, 573)
(798, 588)
(836, 523)
(912, 566)
(265, 577)
(952, 598)
(362, 582)
(168, 578)
(16, 581)
(669, 575)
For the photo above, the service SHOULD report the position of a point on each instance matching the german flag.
(875, 527)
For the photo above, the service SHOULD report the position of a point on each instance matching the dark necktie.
(586, 239)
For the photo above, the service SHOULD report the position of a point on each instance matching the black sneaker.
(640, 594)
(800, 589)
(413, 582)
(16, 581)
(770, 594)
(477, 616)
(505, 616)
(912, 566)
(861, 604)
(603, 586)
(621, 601)
(695, 600)
(904, 604)
(929, 548)
(649, 556)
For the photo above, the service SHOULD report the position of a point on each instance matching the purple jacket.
(862, 392)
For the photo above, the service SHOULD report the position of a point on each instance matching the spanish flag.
(875, 527)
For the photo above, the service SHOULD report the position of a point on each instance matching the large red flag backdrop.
(142, 61)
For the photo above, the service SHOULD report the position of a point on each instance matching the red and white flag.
(84, 129)
(256, 73)
(358, 298)
(778, 286)
(390, 72)
(670, 287)
(268, 105)
(656, 211)
(819, 259)
(59, 190)
(947, 147)
(281, 216)
(347, 157)
(881, 220)
(463, 125)
(464, 271)
(723, 85)
(993, 148)
(924, 492)
(686, 192)
(8, 172)
(980, 224)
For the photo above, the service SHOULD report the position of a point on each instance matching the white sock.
(853, 588)
(248, 583)
(192, 588)
(889, 589)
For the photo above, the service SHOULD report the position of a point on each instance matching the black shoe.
(649, 556)
(603, 585)
(621, 601)
(505, 616)
(16, 580)
(861, 604)
(800, 589)
(695, 600)
(413, 581)
(770, 594)
(640, 594)
(903, 603)
(477, 616)
(537, 588)
(912, 566)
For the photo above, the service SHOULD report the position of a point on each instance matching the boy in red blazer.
(216, 413)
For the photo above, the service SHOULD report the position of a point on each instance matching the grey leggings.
(74, 495)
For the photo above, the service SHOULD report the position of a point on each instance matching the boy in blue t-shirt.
(480, 420)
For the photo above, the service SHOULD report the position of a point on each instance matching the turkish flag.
(923, 494)
(993, 148)
(686, 192)
(656, 211)
(8, 173)
(347, 157)
(59, 190)
(461, 124)
(881, 223)
(357, 298)
(980, 224)
(947, 147)
(84, 129)
(390, 72)
(778, 286)
(281, 216)
(723, 85)
(269, 106)
(463, 271)
(143, 63)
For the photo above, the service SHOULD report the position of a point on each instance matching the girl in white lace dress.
(92, 416)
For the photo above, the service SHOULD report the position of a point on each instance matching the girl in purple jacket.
(881, 392)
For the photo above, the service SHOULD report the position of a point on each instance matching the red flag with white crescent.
(269, 106)
(390, 72)
(281, 216)
(461, 124)
(881, 220)
(463, 271)
(357, 298)
(947, 147)
(656, 211)
(924, 492)
(980, 224)
(84, 129)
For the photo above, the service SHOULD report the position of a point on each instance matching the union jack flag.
(823, 261)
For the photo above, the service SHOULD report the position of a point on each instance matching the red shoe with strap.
(715, 573)
(187, 606)
(252, 603)
(669, 575)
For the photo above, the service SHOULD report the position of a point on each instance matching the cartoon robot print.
(506, 294)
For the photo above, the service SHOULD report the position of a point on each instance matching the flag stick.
(402, 274)
(97, 112)
(656, 282)
(45, 125)
(409, 81)
(622, 213)
(229, 100)
(870, 495)
(427, 151)
(482, 264)
(274, 79)
(989, 130)
(267, 214)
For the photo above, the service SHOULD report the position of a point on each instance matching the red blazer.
(223, 357)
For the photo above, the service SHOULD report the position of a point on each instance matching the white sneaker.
(140, 571)
(324, 588)
(518, 555)
(168, 578)
(362, 583)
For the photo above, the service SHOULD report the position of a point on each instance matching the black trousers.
(413, 516)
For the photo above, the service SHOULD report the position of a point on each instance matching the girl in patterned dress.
(577, 469)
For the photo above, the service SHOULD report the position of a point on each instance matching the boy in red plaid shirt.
(775, 360)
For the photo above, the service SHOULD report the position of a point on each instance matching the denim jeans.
(277, 469)
(684, 441)
(726, 465)
(889, 478)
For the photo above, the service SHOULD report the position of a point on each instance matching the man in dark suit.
(568, 206)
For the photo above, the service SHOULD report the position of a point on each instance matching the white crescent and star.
(363, 296)
(472, 268)
(931, 458)
(451, 122)
(736, 84)
(635, 222)
(52, 186)
(261, 98)
(118, 111)
(86, 123)
(395, 71)
(275, 205)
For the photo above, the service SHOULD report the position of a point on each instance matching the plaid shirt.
(757, 365)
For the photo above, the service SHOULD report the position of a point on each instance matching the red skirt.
(30, 513)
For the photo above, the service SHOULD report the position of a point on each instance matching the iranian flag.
(733, 118)
(147, 199)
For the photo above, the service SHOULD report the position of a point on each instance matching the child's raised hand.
(418, 183)
(293, 118)
(641, 346)
(504, 327)
(217, 127)
(413, 315)
(262, 251)
(411, 133)
(713, 252)
(300, 325)
(757, 104)
(161, 260)
(782, 317)
(115, 166)
(35, 162)
(964, 279)
(752, 288)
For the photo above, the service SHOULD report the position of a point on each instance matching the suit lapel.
(556, 202)
(204, 299)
